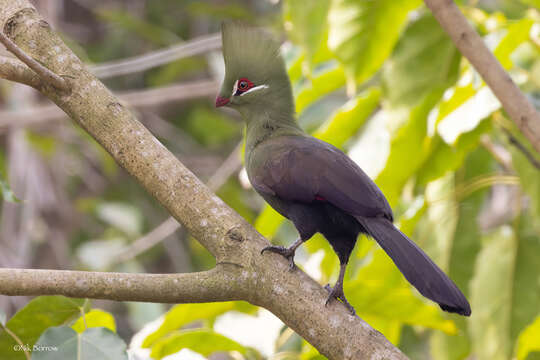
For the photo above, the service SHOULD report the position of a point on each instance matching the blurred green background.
(378, 79)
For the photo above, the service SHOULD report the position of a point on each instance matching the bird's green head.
(255, 73)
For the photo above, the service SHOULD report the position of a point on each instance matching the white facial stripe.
(260, 87)
(235, 88)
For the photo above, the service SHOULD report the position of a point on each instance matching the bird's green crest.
(253, 54)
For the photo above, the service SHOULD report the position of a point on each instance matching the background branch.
(471, 45)
(292, 296)
(138, 99)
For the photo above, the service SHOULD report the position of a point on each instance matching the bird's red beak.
(221, 101)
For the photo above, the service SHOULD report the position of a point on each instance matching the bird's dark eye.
(242, 86)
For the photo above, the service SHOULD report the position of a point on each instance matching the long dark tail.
(416, 266)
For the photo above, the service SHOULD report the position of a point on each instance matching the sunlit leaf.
(63, 342)
(305, 22)
(205, 342)
(463, 252)
(363, 33)
(505, 292)
(268, 222)
(321, 84)
(184, 314)
(38, 315)
(348, 119)
(408, 151)
(529, 340)
(95, 318)
(381, 291)
(424, 58)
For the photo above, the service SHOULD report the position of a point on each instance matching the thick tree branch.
(471, 45)
(218, 284)
(262, 280)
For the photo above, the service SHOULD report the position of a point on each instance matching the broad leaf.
(424, 58)
(363, 33)
(205, 342)
(38, 315)
(95, 318)
(305, 22)
(63, 342)
(184, 314)
(529, 340)
(348, 119)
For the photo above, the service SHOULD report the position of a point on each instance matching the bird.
(310, 182)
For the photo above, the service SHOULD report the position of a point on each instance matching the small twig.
(156, 58)
(514, 141)
(41, 70)
(14, 70)
(17, 340)
(501, 155)
(138, 99)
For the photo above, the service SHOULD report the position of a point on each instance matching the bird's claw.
(337, 293)
(283, 251)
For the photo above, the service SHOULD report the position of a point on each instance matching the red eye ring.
(243, 85)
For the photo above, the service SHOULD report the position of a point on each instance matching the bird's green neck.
(266, 124)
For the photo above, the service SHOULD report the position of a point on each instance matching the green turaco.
(310, 182)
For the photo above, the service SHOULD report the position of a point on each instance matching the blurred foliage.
(380, 80)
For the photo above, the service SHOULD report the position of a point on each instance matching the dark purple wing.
(305, 169)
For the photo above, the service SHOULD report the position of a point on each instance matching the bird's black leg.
(288, 253)
(337, 291)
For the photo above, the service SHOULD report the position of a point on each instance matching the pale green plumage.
(254, 54)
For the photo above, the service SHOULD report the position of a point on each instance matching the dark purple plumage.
(320, 189)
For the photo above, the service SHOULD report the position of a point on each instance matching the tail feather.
(416, 266)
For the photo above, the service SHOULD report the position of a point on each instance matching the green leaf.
(529, 177)
(63, 342)
(463, 251)
(408, 151)
(424, 45)
(95, 318)
(363, 33)
(516, 34)
(349, 118)
(205, 342)
(504, 291)
(529, 340)
(444, 157)
(184, 314)
(381, 292)
(38, 315)
(305, 22)
(321, 84)
(268, 222)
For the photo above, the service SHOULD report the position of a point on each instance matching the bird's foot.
(288, 253)
(336, 292)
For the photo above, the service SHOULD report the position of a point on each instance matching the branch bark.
(471, 45)
(262, 280)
